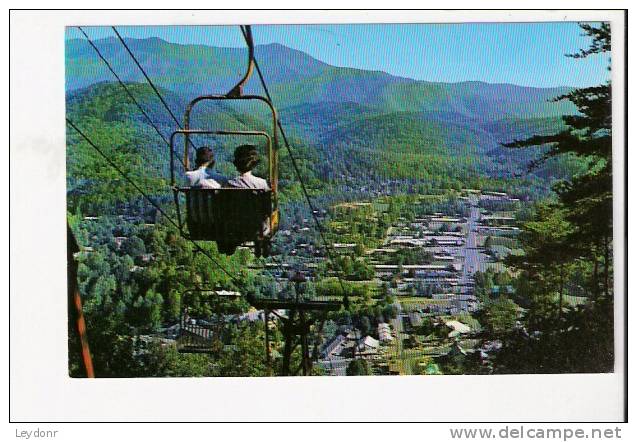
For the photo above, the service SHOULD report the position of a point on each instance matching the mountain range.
(346, 114)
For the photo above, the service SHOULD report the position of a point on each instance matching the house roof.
(457, 328)
(368, 341)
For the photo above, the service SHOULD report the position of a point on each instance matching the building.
(367, 346)
(228, 293)
(251, 315)
(334, 347)
(415, 319)
(119, 240)
(497, 290)
(442, 295)
(457, 328)
(499, 231)
(384, 332)
(445, 219)
(343, 247)
(407, 267)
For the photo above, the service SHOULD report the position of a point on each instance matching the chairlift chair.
(199, 334)
(230, 216)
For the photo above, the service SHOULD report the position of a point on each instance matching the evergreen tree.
(568, 243)
(358, 367)
(587, 197)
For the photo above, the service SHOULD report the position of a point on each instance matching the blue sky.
(529, 54)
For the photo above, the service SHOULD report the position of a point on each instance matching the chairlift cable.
(152, 85)
(150, 82)
(123, 85)
(297, 171)
(128, 92)
(155, 89)
(151, 201)
(237, 281)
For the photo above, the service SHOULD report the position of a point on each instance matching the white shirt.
(248, 181)
(205, 178)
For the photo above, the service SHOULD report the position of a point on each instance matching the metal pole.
(305, 348)
(75, 303)
(268, 358)
(288, 331)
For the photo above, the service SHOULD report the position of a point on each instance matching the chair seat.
(231, 216)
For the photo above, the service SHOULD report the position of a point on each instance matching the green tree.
(134, 247)
(548, 251)
(587, 197)
(155, 360)
(568, 243)
(246, 355)
(358, 367)
(499, 315)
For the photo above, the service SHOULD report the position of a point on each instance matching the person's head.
(246, 158)
(204, 157)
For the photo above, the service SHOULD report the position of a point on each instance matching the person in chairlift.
(246, 159)
(203, 177)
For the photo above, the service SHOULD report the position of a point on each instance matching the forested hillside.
(356, 123)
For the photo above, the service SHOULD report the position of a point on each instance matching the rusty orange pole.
(75, 300)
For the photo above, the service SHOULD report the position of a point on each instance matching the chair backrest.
(228, 215)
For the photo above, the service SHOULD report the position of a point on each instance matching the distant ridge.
(300, 79)
(341, 112)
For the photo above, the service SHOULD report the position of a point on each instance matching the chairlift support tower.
(302, 314)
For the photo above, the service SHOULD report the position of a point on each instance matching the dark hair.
(204, 155)
(246, 157)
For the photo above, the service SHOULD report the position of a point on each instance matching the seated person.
(203, 177)
(246, 158)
